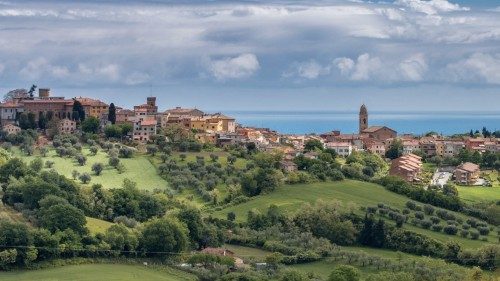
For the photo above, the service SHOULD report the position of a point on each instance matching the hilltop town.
(141, 124)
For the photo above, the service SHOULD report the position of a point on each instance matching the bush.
(465, 226)
(81, 159)
(49, 164)
(474, 235)
(419, 215)
(426, 224)
(464, 233)
(435, 220)
(450, 229)
(411, 205)
(483, 230)
(406, 211)
(114, 161)
(437, 227)
(428, 209)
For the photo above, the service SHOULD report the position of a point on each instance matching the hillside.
(290, 198)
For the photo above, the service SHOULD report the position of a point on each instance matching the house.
(179, 111)
(453, 148)
(475, 144)
(9, 111)
(375, 146)
(380, 133)
(206, 137)
(410, 146)
(428, 146)
(407, 167)
(343, 149)
(467, 173)
(11, 129)
(67, 126)
(144, 127)
(288, 166)
(93, 107)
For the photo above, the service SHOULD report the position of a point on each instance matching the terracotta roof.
(11, 104)
(90, 102)
(469, 167)
(373, 129)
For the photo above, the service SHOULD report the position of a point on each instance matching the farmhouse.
(67, 126)
(11, 129)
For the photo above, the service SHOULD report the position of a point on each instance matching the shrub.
(483, 230)
(450, 229)
(94, 150)
(437, 227)
(428, 209)
(464, 233)
(406, 211)
(49, 164)
(435, 220)
(426, 224)
(465, 226)
(419, 215)
(411, 205)
(114, 161)
(474, 234)
(81, 159)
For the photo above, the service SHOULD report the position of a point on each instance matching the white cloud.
(365, 68)
(431, 7)
(99, 72)
(479, 67)
(136, 78)
(41, 67)
(374, 68)
(413, 68)
(309, 70)
(242, 66)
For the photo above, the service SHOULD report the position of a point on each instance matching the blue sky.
(417, 55)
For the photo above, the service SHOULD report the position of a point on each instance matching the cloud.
(309, 70)
(136, 78)
(2, 68)
(477, 68)
(242, 66)
(374, 68)
(41, 67)
(365, 68)
(431, 7)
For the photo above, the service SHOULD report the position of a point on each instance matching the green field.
(139, 169)
(474, 194)
(97, 226)
(291, 197)
(97, 272)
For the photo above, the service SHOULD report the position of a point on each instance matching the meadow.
(138, 169)
(290, 198)
(93, 272)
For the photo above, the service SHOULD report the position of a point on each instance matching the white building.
(341, 148)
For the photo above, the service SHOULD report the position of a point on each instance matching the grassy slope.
(138, 169)
(91, 272)
(290, 198)
(97, 225)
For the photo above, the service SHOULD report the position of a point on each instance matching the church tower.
(363, 118)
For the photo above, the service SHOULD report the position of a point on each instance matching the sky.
(415, 55)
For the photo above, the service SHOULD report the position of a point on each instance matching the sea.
(418, 123)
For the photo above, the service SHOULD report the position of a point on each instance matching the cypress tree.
(112, 113)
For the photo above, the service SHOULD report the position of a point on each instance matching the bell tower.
(363, 118)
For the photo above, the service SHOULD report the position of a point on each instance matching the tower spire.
(363, 118)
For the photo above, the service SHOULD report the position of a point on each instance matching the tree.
(293, 275)
(152, 149)
(32, 120)
(75, 174)
(81, 159)
(120, 238)
(42, 121)
(78, 108)
(97, 168)
(90, 125)
(231, 216)
(126, 128)
(85, 178)
(62, 217)
(114, 161)
(163, 237)
(112, 113)
(113, 131)
(395, 150)
(94, 149)
(344, 273)
(312, 145)
(36, 164)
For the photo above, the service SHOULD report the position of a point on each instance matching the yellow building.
(93, 107)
